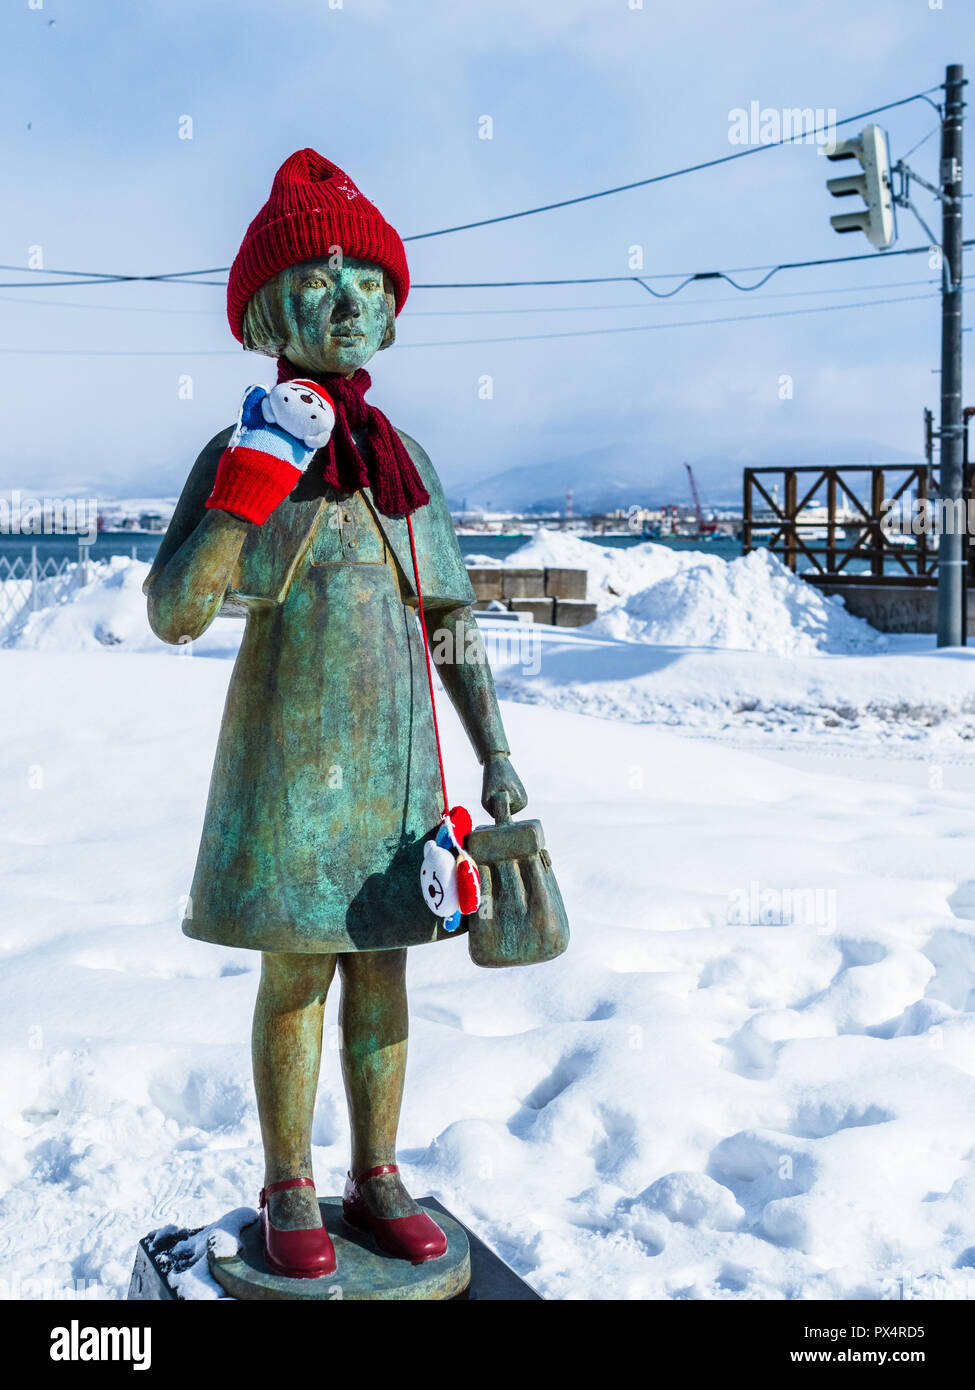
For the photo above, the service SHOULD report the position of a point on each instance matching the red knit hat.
(313, 206)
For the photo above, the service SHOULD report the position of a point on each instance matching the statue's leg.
(286, 1048)
(374, 1035)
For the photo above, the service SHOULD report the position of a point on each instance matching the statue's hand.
(500, 776)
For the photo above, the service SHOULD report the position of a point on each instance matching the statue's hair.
(264, 329)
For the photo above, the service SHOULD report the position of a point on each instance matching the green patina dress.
(325, 783)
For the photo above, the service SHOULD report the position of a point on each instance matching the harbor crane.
(704, 527)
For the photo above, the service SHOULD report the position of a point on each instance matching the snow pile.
(109, 611)
(687, 598)
(750, 1077)
(108, 614)
(750, 604)
(647, 594)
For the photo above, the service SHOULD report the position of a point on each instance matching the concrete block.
(573, 612)
(562, 583)
(890, 607)
(542, 610)
(518, 583)
(486, 581)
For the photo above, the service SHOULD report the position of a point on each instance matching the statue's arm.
(196, 560)
(458, 651)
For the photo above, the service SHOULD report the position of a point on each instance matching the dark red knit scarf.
(396, 485)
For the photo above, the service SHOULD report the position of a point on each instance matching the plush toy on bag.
(449, 878)
(277, 432)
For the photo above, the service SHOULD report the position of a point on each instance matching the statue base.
(362, 1270)
(468, 1270)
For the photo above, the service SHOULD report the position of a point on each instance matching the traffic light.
(876, 220)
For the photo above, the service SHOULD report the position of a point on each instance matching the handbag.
(521, 919)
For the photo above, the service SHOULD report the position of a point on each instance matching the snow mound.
(686, 598)
(693, 1199)
(108, 614)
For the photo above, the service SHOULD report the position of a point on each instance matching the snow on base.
(751, 1075)
(184, 1262)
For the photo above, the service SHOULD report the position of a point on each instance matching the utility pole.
(952, 622)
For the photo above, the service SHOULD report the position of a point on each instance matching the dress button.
(352, 542)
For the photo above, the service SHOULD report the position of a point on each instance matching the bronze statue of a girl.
(325, 784)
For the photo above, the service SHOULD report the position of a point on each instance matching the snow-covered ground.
(786, 664)
(751, 1076)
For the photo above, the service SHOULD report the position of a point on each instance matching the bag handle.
(426, 653)
(501, 808)
(501, 802)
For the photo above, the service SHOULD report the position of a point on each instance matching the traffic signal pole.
(952, 579)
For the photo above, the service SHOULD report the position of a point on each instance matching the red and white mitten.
(277, 433)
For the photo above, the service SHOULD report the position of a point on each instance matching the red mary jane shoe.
(414, 1238)
(302, 1254)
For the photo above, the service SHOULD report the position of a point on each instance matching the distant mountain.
(600, 480)
(610, 477)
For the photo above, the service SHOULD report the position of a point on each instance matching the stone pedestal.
(469, 1269)
(362, 1271)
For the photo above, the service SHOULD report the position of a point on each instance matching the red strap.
(273, 1187)
(377, 1172)
(426, 652)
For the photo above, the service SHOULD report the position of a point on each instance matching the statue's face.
(335, 317)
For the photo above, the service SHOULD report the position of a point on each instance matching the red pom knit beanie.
(313, 206)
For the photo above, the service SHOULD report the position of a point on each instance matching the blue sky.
(583, 94)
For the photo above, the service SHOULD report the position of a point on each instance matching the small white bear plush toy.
(438, 879)
(301, 408)
(449, 880)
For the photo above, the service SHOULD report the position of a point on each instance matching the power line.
(923, 141)
(109, 308)
(91, 275)
(96, 276)
(120, 352)
(688, 277)
(606, 308)
(184, 276)
(61, 284)
(97, 279)
(469, 342)
(658, 327)
(674, 173)
(639, 305)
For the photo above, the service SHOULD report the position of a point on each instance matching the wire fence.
(29, 583)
